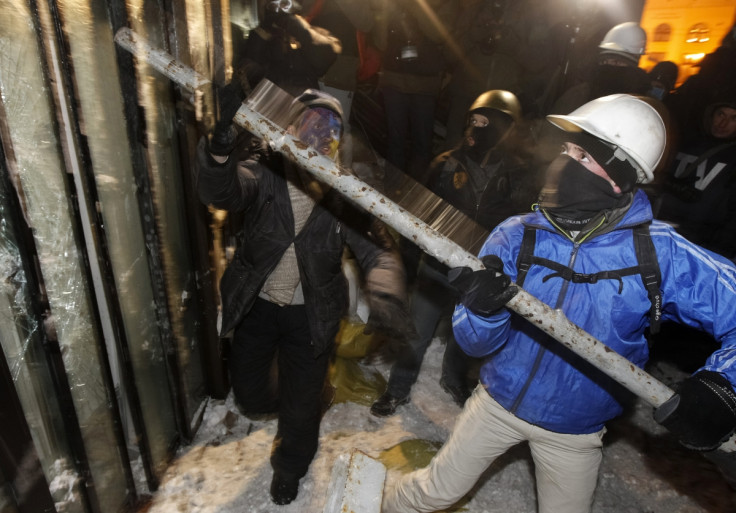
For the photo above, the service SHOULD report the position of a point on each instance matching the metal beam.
(553, 322)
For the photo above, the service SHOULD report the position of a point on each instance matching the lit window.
(698, 33)
(662, 32)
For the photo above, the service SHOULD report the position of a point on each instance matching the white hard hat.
(630, 124)
(627, 39)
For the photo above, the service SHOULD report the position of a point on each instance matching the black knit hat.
(665, 72)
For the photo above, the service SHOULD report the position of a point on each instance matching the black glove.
(702, 413)
(390, 317)
(230, 98)
(486, 291)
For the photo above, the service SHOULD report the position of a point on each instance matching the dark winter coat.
(259, 190)
(488, 194)
(412, 52)
(700, 195)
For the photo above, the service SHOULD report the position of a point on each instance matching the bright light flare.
(694, 57)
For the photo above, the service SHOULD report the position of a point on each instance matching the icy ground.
(226, 468)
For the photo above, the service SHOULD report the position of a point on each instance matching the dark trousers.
(272, 334)
(432, 298)
(409, 117)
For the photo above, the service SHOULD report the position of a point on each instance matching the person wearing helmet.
(624, 42)
(617, 70)
(492, 40)
(485, 183)
(699, 196)
(283, 295)
(481, 176)
(579, 252)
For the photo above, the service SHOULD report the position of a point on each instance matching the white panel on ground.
(356, 485)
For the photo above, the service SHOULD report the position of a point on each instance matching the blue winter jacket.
(542, 382)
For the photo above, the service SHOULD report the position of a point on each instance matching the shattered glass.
(35, 165)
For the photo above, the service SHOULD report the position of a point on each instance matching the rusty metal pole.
(552, 322)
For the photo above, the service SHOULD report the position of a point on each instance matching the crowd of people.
(564, 154)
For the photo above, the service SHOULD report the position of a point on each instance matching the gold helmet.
(498, 99)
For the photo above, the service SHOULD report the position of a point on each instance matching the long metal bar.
(552, 322)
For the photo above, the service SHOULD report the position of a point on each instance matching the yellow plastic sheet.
(353, 381)
(353, 343)
(409, 455)
(414, 454)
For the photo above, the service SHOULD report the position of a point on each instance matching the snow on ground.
(226, 468)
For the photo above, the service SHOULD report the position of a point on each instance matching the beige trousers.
(566, 466)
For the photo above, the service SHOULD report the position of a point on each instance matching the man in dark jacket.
(481, 177)
(487, 184)
(699, 196)
(412, 66)
(616, 72)
(284, 292)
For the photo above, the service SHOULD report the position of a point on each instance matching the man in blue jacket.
(584, 262)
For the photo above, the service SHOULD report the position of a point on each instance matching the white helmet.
(631, 124)
(626, 39)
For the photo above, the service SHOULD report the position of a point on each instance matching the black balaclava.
(487, 137)
(622, 172)
(573, 195)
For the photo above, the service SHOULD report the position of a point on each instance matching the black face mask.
(485, 139)
(573, 192)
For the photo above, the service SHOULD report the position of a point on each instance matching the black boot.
(386, 405)
(458, 391)
(284, 488)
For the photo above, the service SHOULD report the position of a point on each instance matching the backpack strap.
(650, 273)
(647, 268)
(527, 258)
(568, 274)
(526, 254)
